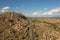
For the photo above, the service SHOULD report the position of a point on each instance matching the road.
(30, 27)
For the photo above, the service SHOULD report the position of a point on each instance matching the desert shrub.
(13, 31)
(55, 27)
(10, 21)
(18, 19)
(46, 22)
(23, 37)
(1, 31)
(36, 39)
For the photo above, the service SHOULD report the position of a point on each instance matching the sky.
(32, 8)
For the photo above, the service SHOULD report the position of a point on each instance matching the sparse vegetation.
(13, 26)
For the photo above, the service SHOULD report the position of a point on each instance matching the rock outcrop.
(13, 26)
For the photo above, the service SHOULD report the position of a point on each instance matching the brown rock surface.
(12, 26)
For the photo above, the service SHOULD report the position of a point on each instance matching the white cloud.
(35, 13)
(50, 12)
(5, 9)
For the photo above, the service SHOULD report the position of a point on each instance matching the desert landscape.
(29, 19)
(15, 26)
(47, 28)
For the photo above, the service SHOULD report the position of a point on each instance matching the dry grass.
(47, 28)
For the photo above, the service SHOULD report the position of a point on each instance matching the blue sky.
(32, 7)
